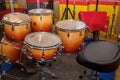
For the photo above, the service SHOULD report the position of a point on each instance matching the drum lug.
(12, 27)
(43, 54)
(34, 24)
(42, 60)
(54, 58)
(68, 34)
(24, 49)
(40, 18)
(60, 50)
(26, 26)
(80, 33)
(13, 38)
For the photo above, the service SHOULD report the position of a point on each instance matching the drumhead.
(71, 25)
(42, 40)
(40, 11)
(16, 18)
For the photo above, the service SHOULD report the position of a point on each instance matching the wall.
(108, 6)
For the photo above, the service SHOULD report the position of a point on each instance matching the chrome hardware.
(68, 34)
(12, 27)
(40, 18)
(80, 33)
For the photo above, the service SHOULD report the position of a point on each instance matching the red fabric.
(2, 13)
(94, 20)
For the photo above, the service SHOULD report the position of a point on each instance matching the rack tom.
(42, 19)
(11, 50)
(72, 34)
(42, 46)
(16, 26)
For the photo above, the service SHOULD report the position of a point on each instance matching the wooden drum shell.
(117, 74)
(41, 53)
(12, 51)
(42, 23)
(16, 33)
(16, 26)
(71, 41)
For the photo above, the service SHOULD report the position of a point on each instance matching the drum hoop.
(48, 48)
(67, 30)
(16, 24)
(12, 41)
(13, 23)
(40, 14)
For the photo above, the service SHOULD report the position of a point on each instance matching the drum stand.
(65, 13)
(42, 70)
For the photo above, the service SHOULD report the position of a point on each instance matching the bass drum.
(11, 50)
(42, 20)
(42, 46)
(72, 34)
(16, 26)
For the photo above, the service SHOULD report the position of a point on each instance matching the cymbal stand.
(65, 13)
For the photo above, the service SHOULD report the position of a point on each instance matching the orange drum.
(72, 34)
(117, 74)
(41, 45)
(17, 26)
(42, 19)
(11, 50)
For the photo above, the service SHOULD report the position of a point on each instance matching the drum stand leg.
(43, 70)
(66, 12)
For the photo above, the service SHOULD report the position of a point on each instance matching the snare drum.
(42, 19)
(17, 26)
(11, 50)
(41, 45)
(72, 34)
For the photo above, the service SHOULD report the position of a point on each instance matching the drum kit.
(29, 36)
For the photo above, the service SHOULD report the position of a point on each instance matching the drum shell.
(42, 22)
(40, 54)
(71, 40)
(117, 73)
(12, 51)
(16, 33)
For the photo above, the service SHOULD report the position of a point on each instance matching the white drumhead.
(70, 24)
(42, 39)
(41, 11)
(16, 18)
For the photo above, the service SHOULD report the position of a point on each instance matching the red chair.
(2, 13)
(96, 21)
